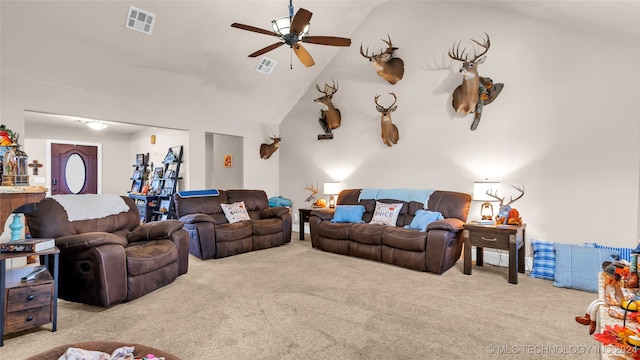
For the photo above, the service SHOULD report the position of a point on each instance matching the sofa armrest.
(324, 214)
(450, 224)
(196, 218)
(274, 212)
(155, 230)
(88, 240)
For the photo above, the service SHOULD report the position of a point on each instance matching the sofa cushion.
(367, 233)
(577, 266)
(235, 212)
(423, 218)
(146, 256)
(331, 230)
(232, 232)
(348, 214)
(266, 226)
(405, 239)
(386, 213)
(544, 259)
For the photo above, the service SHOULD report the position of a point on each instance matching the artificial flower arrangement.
(7, 137)
(621, 337)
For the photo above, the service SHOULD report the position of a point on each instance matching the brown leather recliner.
(111, 259)
(211, 235)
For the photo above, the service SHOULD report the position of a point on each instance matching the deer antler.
(495, 196)
(365, 54)
(485, 45)
(312, 189)
(390, 48)
(395, 100)
(521, 194)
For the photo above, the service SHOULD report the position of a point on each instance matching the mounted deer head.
(314, 191)
(390, 134)
(266, 150)
(504, 213)
(330, 118)
(465, 96)
(388, 67)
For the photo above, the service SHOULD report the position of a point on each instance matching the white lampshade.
(480, 189)
(331, 188)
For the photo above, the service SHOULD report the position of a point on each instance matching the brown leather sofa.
(435, 250)
(108, 260)
(212, 236)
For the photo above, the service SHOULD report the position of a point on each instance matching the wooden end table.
(27, 304)
(303, 216)
(503, 237)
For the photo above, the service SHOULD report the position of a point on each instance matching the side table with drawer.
(27, 304)
(502, 237)
(303, 216)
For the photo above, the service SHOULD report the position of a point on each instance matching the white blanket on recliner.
(91, 206)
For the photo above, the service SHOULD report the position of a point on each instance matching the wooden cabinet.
(27, 304)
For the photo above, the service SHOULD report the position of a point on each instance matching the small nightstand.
(503, 237)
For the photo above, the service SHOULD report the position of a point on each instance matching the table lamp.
(480, 193)
(331, 188)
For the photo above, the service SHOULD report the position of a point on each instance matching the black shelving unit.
(140, 173)
(168, 184)
(146, 204)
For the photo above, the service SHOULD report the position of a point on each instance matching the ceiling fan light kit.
(293, 31)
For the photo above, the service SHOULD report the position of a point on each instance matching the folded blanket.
(91, 206)
(419, 195)
(196, 193)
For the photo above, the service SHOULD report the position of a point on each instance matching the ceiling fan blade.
(266, 49)
(254, 29)
(303, 55)
(300, 20)
(327, 40)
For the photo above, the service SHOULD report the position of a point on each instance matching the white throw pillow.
(235, 212)
(386, 214)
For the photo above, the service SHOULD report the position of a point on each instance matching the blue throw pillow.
(577, 266)
(423, 218)
(544, 259)
(348, 214)
(623, 253)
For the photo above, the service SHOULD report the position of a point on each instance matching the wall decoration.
(228, 161)
(35, 165)
(330, 118)
(314, 191)
(475, 91)
(390, 134)
(266, 150)
(388, 67)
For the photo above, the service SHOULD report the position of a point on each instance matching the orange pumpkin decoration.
(321, 203)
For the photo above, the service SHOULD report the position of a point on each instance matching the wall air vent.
(140, 20)
(266, 66)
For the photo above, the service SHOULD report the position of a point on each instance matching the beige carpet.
(295, 302)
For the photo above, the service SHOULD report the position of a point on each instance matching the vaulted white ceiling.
(194, 58)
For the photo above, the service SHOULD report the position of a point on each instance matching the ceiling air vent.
(266, 66)
(140, 20)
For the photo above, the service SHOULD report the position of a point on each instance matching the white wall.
(562, 126)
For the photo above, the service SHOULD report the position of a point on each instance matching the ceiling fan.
(293, 31)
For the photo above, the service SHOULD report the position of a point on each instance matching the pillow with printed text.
(235, 212)
(386, 214)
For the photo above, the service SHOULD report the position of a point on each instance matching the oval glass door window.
(75, 173)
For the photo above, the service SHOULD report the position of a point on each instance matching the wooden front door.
(74, 169)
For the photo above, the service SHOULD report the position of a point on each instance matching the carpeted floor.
(295, 302)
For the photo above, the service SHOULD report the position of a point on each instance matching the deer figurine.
(390, 134)
(266, 150)
(475, 91)
(506, 214)
(330, 118)
(314, 191)
(388, 67)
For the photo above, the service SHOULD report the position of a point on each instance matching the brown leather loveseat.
(212, 236)
(114, 258)
(434, 250)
